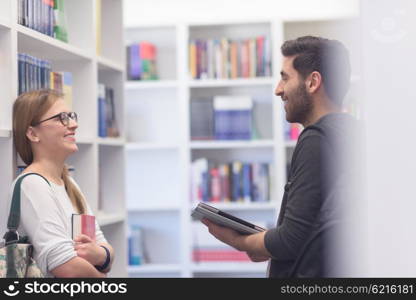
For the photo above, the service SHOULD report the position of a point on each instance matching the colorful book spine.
(102, 123)
(236, 181)
(33, 73)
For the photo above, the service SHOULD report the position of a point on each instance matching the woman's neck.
(52, 170)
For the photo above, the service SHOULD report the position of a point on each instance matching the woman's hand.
(87, 249)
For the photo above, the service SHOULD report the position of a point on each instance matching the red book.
(201, 255)
(83, 224)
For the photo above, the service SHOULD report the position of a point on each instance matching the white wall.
(138, 12)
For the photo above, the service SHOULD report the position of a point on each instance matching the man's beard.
(299, 106)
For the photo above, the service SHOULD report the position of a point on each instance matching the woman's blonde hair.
(27, 111)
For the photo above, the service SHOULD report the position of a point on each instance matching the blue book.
(135, 71)
(247, 183)
(233, 117)
(102, 113)
(237, 194)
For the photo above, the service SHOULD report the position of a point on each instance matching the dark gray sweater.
(314, 170)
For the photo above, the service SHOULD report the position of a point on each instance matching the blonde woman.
(44, 135)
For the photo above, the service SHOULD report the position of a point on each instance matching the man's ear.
(314, 82)
(32, 135)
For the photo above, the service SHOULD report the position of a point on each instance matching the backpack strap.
(13, 221)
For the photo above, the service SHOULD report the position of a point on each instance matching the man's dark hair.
(328, 57)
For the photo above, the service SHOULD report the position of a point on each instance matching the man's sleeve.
(304, 201)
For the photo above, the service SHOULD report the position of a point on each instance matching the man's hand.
(253, 244)
(224, 234)
(87, 249)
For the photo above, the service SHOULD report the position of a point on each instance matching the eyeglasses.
(63, 117)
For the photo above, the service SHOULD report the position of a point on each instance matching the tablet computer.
(203, 210)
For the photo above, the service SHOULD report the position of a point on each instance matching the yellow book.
(192, 59)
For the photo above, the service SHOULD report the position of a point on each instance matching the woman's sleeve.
(44, 222)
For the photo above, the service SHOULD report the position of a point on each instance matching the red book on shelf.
(223, 255)
(83, 224)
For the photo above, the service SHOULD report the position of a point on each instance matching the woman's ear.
(32, 135)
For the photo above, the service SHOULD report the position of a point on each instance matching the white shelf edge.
(109, 141)
(85, 140)
(6, 133)
(154, 208)
(150, 84)
(105, 219)
(5, 23)
(290, 144)
(52, 42)
(154, 268)
(150, 146)
(231, 144)
(229, 267)
(230, 22)
(231, 82)
(108, 64)
(270, 205)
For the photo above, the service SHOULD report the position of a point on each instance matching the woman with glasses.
(44, 135)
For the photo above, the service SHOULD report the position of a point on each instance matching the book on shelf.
(107, 122)
(35, 73)
(202, 119)
(203, 210)
(45, 16)
(240, 182)
(83, 224)
(136, 246)
(141, 61)
(38, 15)
(233, 117)
(60, 24)
(292, 131)
(206, 248)
(226, 58)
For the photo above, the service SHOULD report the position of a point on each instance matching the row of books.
(141, 61)
(225, 58)
(222, 118)
(107, 123)
(35, 73)
(45, 16)
(230, 182)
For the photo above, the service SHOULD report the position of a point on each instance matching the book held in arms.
(203, 210)
(83, 224)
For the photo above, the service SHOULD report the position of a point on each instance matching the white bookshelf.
(159, 150)
(99, 163)
(232, 144)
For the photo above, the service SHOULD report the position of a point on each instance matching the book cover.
(202, 119)
(102, 124)
(83, 224)
(67, 88)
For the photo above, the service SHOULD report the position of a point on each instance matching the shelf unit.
(158, 164)
(99, 163)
